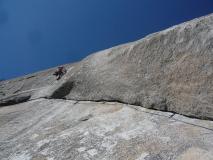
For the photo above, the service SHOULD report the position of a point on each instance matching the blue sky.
(39, 34)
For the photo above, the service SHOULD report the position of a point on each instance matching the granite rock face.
(171, 70)
(46, 129)
(101, 109)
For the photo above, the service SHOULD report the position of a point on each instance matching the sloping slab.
(63, 129)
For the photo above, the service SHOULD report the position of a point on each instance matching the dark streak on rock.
(63, 90)
(14, 100)
(86, 118)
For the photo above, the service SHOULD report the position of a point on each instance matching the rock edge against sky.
(171, 70)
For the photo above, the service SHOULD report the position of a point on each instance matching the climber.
(60, 72)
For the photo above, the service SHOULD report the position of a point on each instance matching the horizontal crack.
(105, 102)
(210, 129)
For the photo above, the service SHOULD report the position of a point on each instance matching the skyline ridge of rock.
(171, 70)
